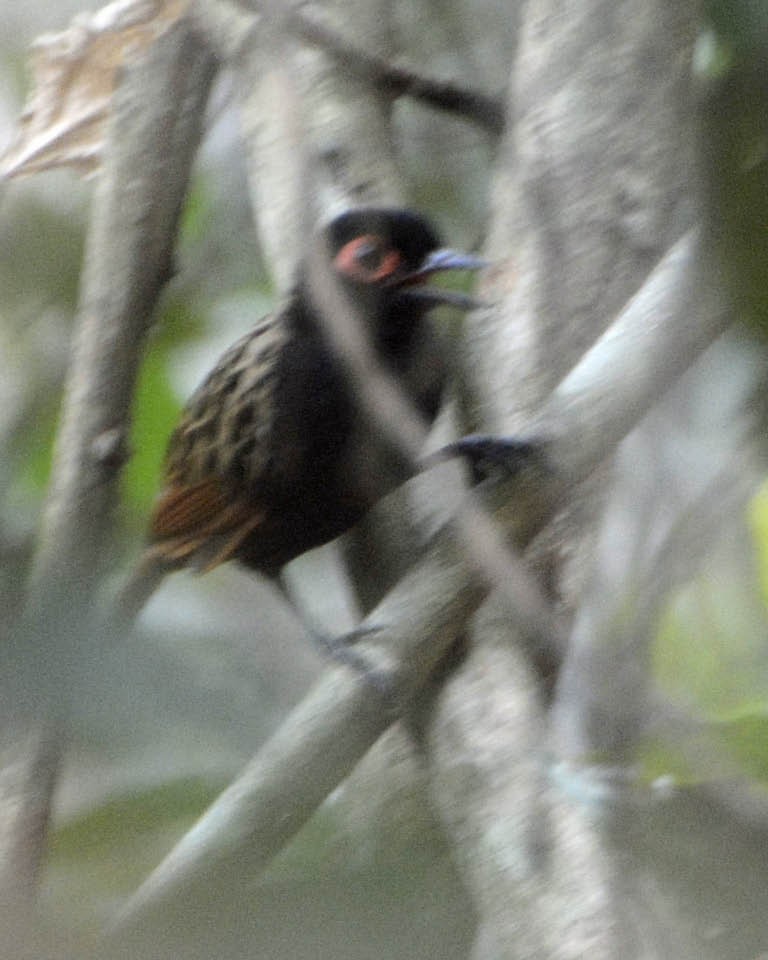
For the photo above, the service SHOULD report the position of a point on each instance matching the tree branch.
(312, 24)
(668, 323)
(152, 138)
(129, 257)
(593, 187)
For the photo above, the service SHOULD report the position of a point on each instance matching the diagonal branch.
(313, 26)
(229, 28)
(678, 312)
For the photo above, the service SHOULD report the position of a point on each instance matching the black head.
(356, 237)
(383, 258)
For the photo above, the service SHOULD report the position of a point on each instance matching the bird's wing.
(202, 517)
(199, 522)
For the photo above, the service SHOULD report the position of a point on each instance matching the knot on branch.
(109, 449)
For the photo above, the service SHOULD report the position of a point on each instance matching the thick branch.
(153, 134)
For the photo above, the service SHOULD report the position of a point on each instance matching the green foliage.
(106, 852)
(739, 740)
(710, 653)
(34, 450)
(155, 410)
(706, 646)
(197, 214)
(657, 761)
(156, 406)
(745, 736)
(711, 642)
(758, 516)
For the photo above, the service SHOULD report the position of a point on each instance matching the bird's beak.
(444, 259)
(437, 262)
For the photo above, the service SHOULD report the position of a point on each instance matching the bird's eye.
(367, 259)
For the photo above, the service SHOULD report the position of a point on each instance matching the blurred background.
(218, 661)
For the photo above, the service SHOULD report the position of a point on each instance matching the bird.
(272, 455)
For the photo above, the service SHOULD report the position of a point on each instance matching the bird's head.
(384, 259)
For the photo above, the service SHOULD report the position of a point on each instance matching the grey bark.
(152, 140)
(594, 182)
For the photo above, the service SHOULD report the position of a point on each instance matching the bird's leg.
(340, 647)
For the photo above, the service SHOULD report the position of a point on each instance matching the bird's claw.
(488, 453)
(341, 648)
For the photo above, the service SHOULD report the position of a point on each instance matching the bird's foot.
(488, 454)
(341, 648)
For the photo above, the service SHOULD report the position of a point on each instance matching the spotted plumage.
(272, 456)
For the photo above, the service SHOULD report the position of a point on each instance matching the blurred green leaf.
(156, 409)
(656, 760)
(179, 322)
(710, 647)
(156, 405)
(36, 454)
(745, 735)
(741, 737)
(197, 213)
(758, 519)
(106, 852)
(128, 819)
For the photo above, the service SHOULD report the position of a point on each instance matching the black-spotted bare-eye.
(366, 259)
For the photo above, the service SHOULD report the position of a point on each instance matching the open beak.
(437, 262)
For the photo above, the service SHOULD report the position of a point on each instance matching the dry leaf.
(74, 75)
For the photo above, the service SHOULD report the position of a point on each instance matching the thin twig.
(312, 25)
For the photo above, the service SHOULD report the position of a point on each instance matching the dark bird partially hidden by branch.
(273, 454)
